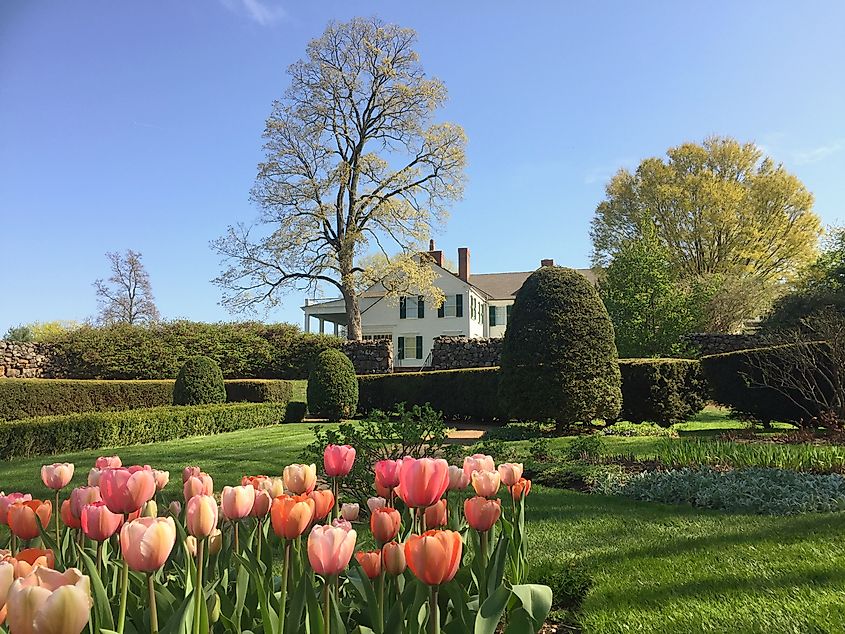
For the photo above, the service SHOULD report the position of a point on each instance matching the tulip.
(201, 484)
(300, 479)
(7, 500)
(435, 515)
(146, 543)
(384, 524)
(385, 492)
(482, 513)
(94, 477)
(434, 556)
(81, 496)
(126, 490)
(485, 483)
(422, 482)
(370, 561)
(291, 515)
(330, 549)
(510, 472)
(57, 476)
(349, 511)
(237, 502)
(387, 473)
(98, 522)
(254, 481)
(478, 462)
(338, 460)
(7, 577)
(339, 522)
(191, 545)
(22, 518)
(201, 516)
(108, 462)
(274, 486)
(67, 517)
(458, 479)
(376, 503)
(161, 478)
(394, 558)
(215, 542)
(521, 489)
(189, 472)
(27, 559)
(323, 503)
(261, 505)
(175, 508)
(49, 601)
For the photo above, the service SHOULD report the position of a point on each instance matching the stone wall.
(451, 353)
(715, 343)
(23, 360)
(370, 357)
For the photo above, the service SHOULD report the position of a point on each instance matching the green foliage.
(19, 334)
(628, 429)
(258, 391)
(332, 386)
(585, 447)
(157, 351)
(416, 431)
(54, 434)
(47, 330)
(199, 382)
(664, 391)
(559, 358)
(470, 394)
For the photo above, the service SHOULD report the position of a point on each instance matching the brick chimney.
(548, 262)
(463, 264)
(435, 254)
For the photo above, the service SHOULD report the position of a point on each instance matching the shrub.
(626, 428)
(332, 386)
(199, 382)
(663, 391)
(295, 412)
(559, 358)
(458, 394)
(258, 391)
(59, 434)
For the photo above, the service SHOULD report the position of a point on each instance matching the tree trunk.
(353, 316)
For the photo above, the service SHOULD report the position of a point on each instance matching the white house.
(477, 305)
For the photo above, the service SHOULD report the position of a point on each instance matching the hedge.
(332, 390)
(25, 398)
(60, 434)
(663, 391)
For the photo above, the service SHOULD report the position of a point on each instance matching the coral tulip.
(94, 477)
(67, 516)
(146, 542)
(29, 558)
(57, 476)
(237, 502)
(201, 484)
(254, 481)
(98, 522)
(7, 500)
(434, 556)
(478, 462)
(422, 482)
(521, 488)
(126, 490)
(291, 515)
(510, 472)
(349, 511)
(370, 561)
(458, 479)
(482, 513)
(300, 479)
(261, 504)
(330, 549)
(22, 517)
(274, 486)
(323, 503)
(161, 478)
(201, 515)
(81, 496)
(394, 558)
(50, 601)
(108, 462)
(190, 472)
(384, 492)
(485, 483)
(435, 515)
(376, 503)
(387, 473)
(338, 460)
(384, 524)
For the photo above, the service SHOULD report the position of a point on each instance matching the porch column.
(322, 326)
(336, 329)
(307, 322)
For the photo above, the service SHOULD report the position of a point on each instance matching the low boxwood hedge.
(25, 398)
(59, 434)
(663, 391)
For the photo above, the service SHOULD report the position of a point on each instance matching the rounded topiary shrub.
(199, 381)
(332, 386)
(559, 357)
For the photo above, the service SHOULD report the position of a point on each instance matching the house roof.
(505, 285)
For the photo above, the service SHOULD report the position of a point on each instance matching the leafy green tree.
(19, 334)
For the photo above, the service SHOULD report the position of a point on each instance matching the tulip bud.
(150, 509)
(201, 515)
(300, 479)
(191, 545)
(458, 479)
(394, 558)
(213, 606)
(175, 508)
(435, 515)
(215, 542)
(349, 511)
(510, 472)
(370, 561)
(338, 460)
(485, 483)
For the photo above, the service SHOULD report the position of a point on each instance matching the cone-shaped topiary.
(559, 358)
(332, 386)
(199, 381)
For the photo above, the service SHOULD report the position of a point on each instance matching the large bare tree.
(356, 176)
(126, 297)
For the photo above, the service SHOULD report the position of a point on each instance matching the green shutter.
(441, 311)
(508, 314)
(419, 347)
(403, 310)
(401, 341)
(420, 307)
(459, 305)
(492, 315)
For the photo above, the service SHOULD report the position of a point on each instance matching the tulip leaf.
(496, 566)
(536, 600)
(364, 587)
(50, 542)
(490, 614)
(182, 619)
(296, 607)
(460, 605)
(102, 608)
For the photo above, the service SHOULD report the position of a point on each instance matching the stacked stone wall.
(452, 353)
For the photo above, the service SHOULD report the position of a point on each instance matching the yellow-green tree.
(729, 218)
(354, 168)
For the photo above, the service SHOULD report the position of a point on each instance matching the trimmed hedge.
(26, 398)
(199, 382)
(59, 434)
(663, 391)
(332, 390)
(458, 394)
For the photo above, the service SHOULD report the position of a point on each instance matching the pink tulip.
(300, 479)
(376, 503)
(478, 462)
(81, 496)
(237, 501)
(338, 460)
(188, 472)
(146, 542)
(161, 478)
(94, 477)
(50, 601)
(339, 522)
(458, 479)
(98, 522)
(485, 483)
(349, 511)
(387, 473)
(57, 476)
(201, 484)
(261, 505)
(201, 515)
(510, 473)
(126, 490)
(482, 513)
(330, 549)
(422, 482)
(108, 462)
(384, 524)
(7, 500)
(394, 558)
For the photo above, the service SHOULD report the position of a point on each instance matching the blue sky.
(138, 125)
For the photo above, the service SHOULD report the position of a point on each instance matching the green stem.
(153, 610)
(260, 538)
(99, 558)
(198, 591)
(124, 594)
(381, 599)
(326, 606)
(283, 599)
(399, 602)
(235, 526)
(482, 583)
(58, 512)
(433, 612)
(336, 511)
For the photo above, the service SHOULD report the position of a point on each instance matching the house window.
(410, 347)
(497, 315)
(472, 307)
(412, 307)
(453, 306)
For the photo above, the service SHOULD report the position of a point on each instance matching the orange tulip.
(237, 502)
(57, 476)
(98, 522)
(261, 505)
(7, 500)
(201, 484)
(521, 488)
(254, 481)
(300, 478)
(127, 489)
(384, 524)
(323, 503)
(338, 460)
(67, 517)
(435, 515)
(27, 559)
(370, 561)
(394, 558)
(49, 601)
(478, 462)
(22, 516)
(291, 515)
(330, 549)
(423, 481)
(486, 483)
(482, 513)
(434, 556)
(201, 515)
(146, 543)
